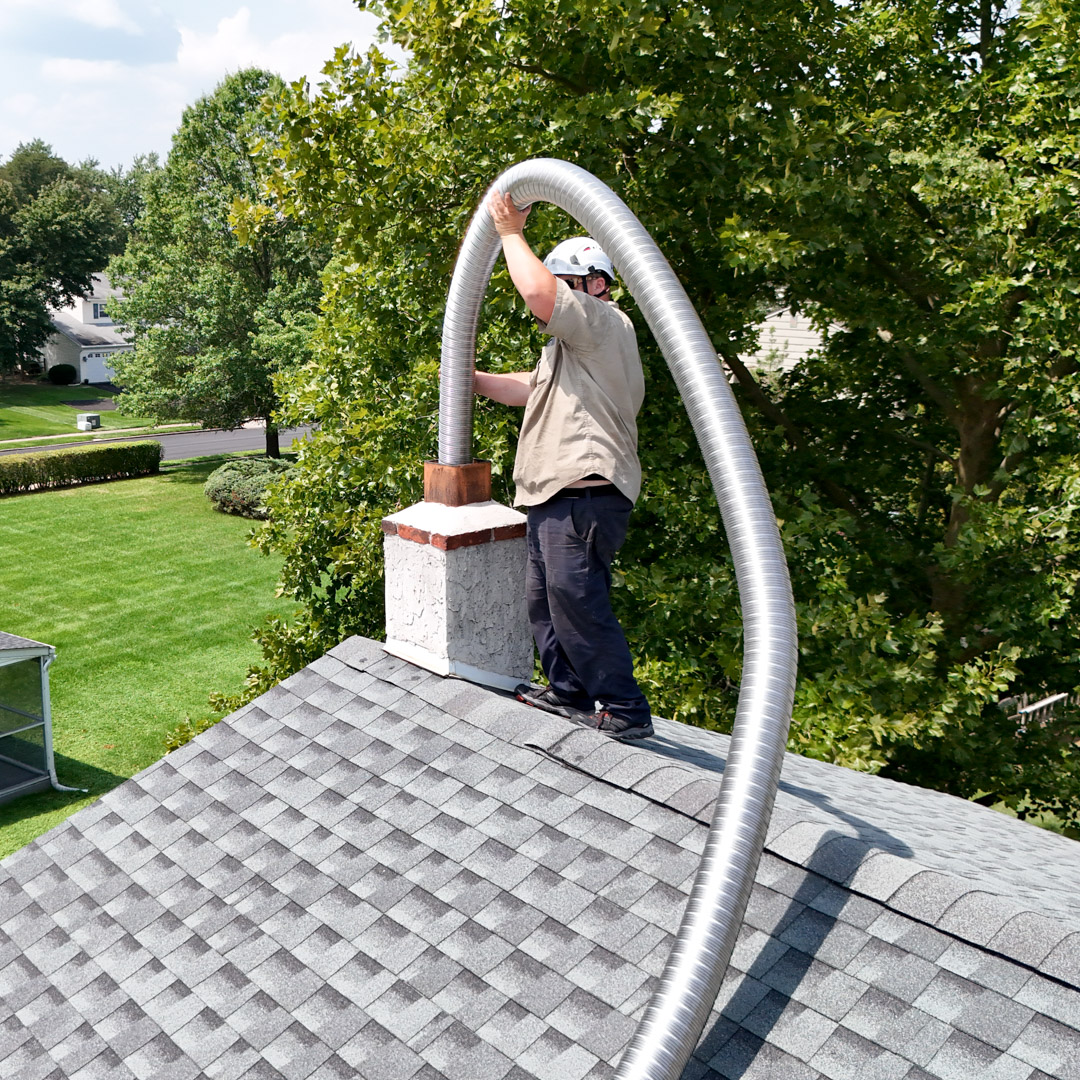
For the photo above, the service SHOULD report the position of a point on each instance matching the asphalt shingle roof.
(13, 641)
(372, 871)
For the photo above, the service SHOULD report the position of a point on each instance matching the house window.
(100, 312)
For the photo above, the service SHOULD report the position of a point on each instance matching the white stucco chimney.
(455, 580)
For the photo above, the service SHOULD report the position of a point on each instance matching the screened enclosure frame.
(26, 749)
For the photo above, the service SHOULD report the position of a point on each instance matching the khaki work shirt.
(584, 397)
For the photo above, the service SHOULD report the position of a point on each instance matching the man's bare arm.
(530, 276)
(509, 389)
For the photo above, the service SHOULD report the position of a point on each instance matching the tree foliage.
(905, 172)
(212, 317)
(57, 228)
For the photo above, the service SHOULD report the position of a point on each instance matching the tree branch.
(924, 213)
(552, 76)
(933, 391)
(836, 494)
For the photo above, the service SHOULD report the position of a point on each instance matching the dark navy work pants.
(582, 647)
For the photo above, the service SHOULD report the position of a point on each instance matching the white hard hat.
(579, 256)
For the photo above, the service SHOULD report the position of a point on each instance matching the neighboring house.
(785, 338)
(375, 872)
(84, 335)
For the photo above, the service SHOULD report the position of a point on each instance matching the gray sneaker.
(614, 727)
(544, 697)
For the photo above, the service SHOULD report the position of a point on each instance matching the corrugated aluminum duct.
(674, 1019)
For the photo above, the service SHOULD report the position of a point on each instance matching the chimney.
(455, 580)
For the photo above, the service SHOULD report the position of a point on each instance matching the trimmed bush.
(239, 487)
(21, 473)
(62, 375)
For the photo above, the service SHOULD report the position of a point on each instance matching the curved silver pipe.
(678, 1011)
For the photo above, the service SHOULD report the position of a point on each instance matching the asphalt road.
(188, 444)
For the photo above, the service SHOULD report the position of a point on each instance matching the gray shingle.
(361, 980)
(847, 1056)
(344, 912)
(962, 1057)
(459, 1054)
(554, 895)
(433, 872)
(596, 870)
(331, 1016)
(148, 981)
(173, 1007)
(556, 946)
(661, 905)
(476, 948)
(1061, 1003)
(607, 976)
(593, 1024)
(833, 942)
(554, 1057)
(325, 951)
(205, 1038)
(260, 1020)
(296, 1052)
(426, 915)
(468, 998)
(376, 1055)
(893, 1024)
(1029, 937)
(1063, 961)
(1050, 1046)
(609, 925)
(892, 969)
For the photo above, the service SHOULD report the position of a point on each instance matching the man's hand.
(505, 216)
(530, 277)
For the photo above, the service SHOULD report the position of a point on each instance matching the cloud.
(87, 30)
(110, 78)
(104, 14)
(237, 42)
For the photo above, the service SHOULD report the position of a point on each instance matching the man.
(577, 472)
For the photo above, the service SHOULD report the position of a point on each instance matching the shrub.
(239, 487)
(62, 375)
(21, 473)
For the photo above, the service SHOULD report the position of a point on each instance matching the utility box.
(87, 421)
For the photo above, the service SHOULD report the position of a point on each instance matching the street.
(187, 444)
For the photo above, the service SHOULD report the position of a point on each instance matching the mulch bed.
(100, 404)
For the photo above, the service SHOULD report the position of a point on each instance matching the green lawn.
(29, 409)
(149, 596)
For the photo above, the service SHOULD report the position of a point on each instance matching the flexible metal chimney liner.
(678, 1011)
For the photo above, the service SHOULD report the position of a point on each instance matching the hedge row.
(79, 465)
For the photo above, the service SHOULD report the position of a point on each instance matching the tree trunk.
(979, 422)
(273, 446)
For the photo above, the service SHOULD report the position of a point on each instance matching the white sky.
(109, 79)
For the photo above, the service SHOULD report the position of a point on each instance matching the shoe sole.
(630, 735)
(556, 710)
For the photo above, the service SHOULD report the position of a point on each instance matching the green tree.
(212, 318)
(906, 171)
(56, 231)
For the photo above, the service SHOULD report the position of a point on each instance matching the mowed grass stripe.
(149, 596)
(32, 409)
